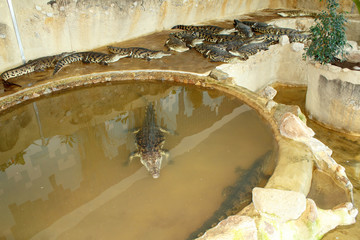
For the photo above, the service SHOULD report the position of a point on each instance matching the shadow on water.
(62, 162)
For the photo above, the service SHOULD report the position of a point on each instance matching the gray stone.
(354, 56)
(268, 92)
(3, 30)
(219, 74)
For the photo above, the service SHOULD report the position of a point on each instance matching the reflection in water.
(77, 186)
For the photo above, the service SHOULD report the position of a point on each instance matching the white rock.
(353, 46)
(292, 127)
(354, 56)
(231, 228)
(284, 39)
(333, 68)
(317, 146)
(297, 46)
(49, 14)
(356, 68)
(279, 204)
(38, 8)
(270, 105)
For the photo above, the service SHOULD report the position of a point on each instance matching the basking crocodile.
(217, 53)
(299, 37)
(250, 49)
(138, 52)
(262, 27)
(238, 195)
(271, 38)
(255, 26)
(277, 30)
(243, 29)
(87, 57)
(297, 13)
(35, 65)
(189, 38)
(210, 28)
(149, 142)
(218, 38)
(176, 44)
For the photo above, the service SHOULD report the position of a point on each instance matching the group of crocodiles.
(213, 42)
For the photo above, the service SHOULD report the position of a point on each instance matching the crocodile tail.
(183, 27)
(178, 27)
(67, 60)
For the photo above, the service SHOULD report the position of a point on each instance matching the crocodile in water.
(149, 140)
(239, 195)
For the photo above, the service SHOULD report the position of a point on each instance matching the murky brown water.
(63, 162)
(346, 151)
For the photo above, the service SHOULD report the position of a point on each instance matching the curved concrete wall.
(76, 25)
(333, 97)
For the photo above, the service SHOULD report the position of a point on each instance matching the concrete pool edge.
(294, 154)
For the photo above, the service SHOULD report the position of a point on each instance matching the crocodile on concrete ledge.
(87, 57)
(149, 140)
(210, 28)
(138, 52)
(35, 65)
(250, 49)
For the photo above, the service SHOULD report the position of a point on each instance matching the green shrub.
(328, 35)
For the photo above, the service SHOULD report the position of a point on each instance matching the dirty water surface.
(64, 170)
(346, 151)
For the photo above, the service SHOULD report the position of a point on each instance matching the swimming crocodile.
(238, 195)
(149, 142)
(138, 52)
(35, 65)
(210, 28)
(243, 29)
(87, 57)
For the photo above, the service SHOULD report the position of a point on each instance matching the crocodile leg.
(131, 157)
